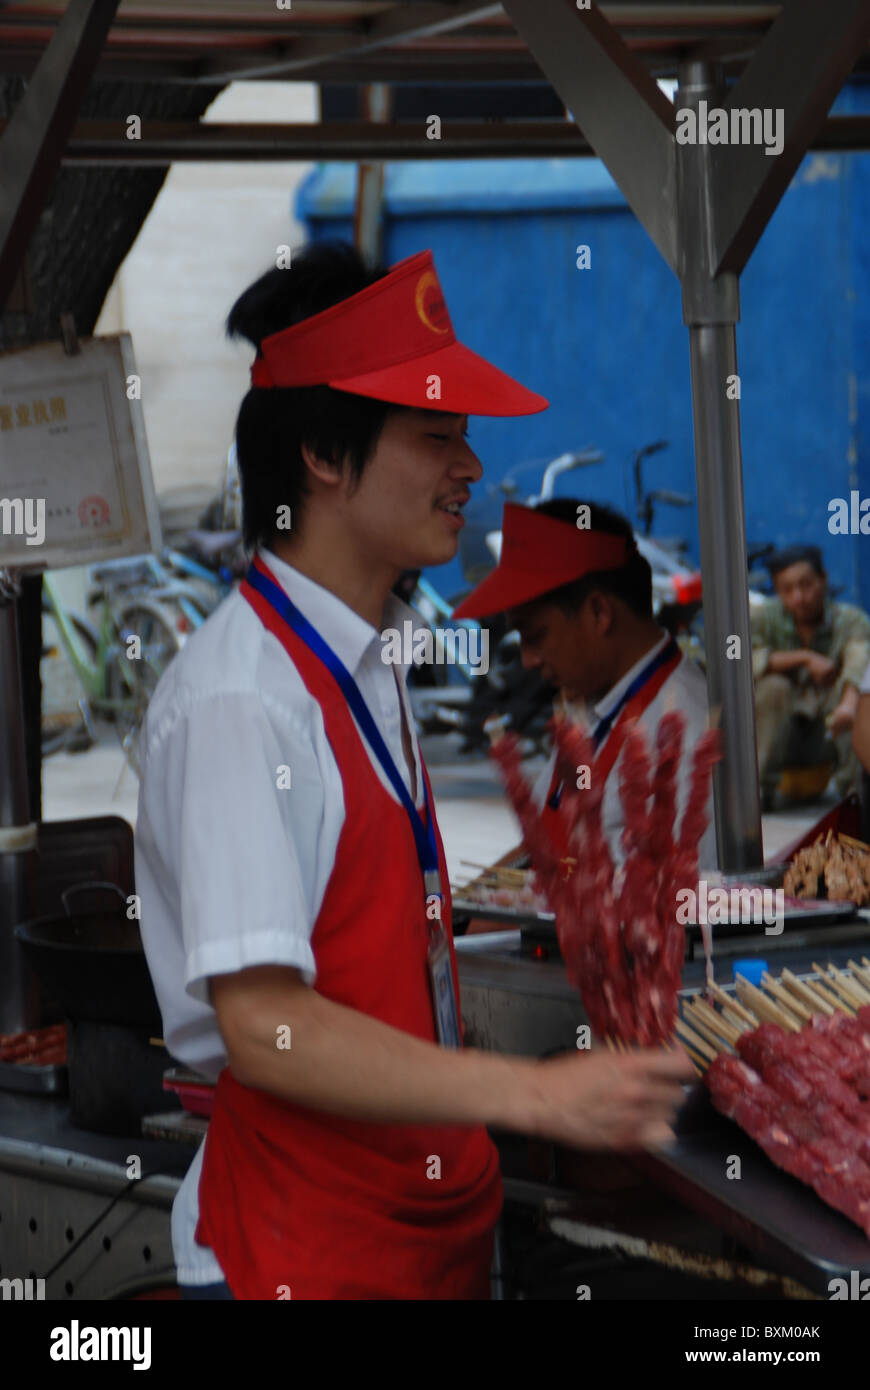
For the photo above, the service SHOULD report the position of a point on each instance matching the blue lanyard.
(602, 729)
(424, 836)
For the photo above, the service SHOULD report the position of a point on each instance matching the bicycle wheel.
(154, 625)
(62, 719)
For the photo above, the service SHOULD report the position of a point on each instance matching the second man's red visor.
(393, 341)
(540, 553)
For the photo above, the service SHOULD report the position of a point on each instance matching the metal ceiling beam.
(94, 142)
(800, 66)
(623, 114)
(31, 149)
(400, 25)
(163, 142)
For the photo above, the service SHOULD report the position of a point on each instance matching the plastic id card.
(443, 994)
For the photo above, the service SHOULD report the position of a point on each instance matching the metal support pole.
(368, 218)
(711, 308)
(19, 999)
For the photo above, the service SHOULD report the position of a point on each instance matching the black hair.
(274, 423)
(632, 582)
(796, 555)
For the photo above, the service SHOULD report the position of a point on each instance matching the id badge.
(441, 981)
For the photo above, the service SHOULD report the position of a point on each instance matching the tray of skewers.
(787, 1062)
(836, 869)
(504, 895)
(35, 1061)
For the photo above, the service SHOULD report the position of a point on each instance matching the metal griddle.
(768, 1211)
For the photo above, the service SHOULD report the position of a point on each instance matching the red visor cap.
(540, 553)
(393, 341)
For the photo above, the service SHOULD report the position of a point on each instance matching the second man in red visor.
(579, 593)
(295, 904)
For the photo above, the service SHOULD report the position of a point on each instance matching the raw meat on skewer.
(841, 1178)
(638, 900)
(622, 945)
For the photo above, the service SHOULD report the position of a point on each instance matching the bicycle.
(117, 663)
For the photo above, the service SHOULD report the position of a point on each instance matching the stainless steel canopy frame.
(705, 207)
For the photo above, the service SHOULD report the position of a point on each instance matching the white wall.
(212, 230)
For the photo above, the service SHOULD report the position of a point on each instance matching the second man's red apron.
(638, 698)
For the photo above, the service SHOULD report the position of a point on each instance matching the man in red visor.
(295, 904)
(579, 593)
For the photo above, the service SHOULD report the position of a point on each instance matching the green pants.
(790, 728)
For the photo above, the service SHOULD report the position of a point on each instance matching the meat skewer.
(794, 1093)
(791, 1139)
(622, 945)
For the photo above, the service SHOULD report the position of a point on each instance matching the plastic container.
(751, 969)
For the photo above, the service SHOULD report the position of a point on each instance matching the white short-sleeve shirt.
(231, 869)
(685, 690)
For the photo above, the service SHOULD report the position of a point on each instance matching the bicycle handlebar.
(563, 464)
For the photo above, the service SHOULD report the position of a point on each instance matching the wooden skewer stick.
(766, 1008)
(711, 1024)
(729, 1001)
(699, 1062)
(856, 984)
(497, 870)
(693, 1040)
(853, 843)
(705, 1030)
(737, 1022)
(788, 1001)
(806, 994)
(157, 1042)
(839, 987)
(863, 976)
(671, 1045)
(822, 988)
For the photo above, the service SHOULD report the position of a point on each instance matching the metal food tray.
(509, 916)
(768, 1211)
(50, 1079)
(813, 912)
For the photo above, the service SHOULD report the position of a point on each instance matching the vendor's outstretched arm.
(346, 1063)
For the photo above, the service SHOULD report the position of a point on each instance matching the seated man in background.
(809, 655)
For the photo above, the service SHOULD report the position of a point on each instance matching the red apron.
(334, 1208)
(552, 820)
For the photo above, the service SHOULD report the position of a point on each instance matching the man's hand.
(611, 1102)
(821, 670)
(843, 716)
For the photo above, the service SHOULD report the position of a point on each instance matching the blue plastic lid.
(751, 969)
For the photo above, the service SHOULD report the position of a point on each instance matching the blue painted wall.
(607, 346)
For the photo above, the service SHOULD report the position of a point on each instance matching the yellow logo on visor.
(436, 308)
